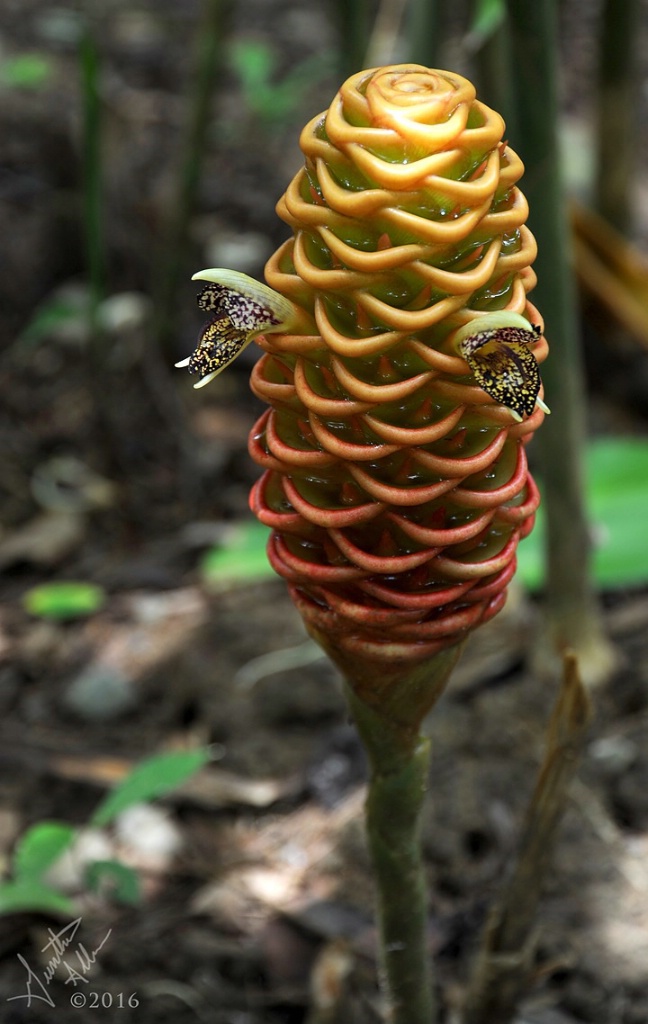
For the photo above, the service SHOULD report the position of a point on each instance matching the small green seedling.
(54, 313)
(274, 102)
(43, 844)
(487, 18)
(64, 600)
(26, 71)
(240, 558)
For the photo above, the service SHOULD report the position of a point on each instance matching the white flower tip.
(206, 379)
(183, 363)
(545, 408)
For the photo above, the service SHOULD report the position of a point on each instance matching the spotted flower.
(240, 309)
(496, 347)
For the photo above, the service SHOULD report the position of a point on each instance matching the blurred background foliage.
(146, 141)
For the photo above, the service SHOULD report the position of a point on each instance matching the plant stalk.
(423, 31)
(399, 757)
(393, 821)
(354, 21)
(496, 77)
(92, 180)
(572, 614)
(617, 111)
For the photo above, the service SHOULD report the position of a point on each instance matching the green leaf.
(40, 847)
(488, 16)
(617, 499)
(122, 882)
(27, 71)
(49, 317)
(254, 63)
(242, 557)
(65, 600)
(26, 894)
(150, 779)
(288, 94)
(530, 556)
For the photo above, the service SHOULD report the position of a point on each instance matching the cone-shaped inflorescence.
(396, 486)
(401, 373)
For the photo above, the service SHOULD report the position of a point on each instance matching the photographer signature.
(37, 983)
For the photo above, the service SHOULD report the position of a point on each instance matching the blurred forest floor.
(114, 471)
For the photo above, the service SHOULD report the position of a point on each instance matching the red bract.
(397, 488)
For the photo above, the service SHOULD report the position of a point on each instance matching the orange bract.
(397, 489)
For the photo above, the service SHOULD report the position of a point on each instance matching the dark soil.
(115, 471)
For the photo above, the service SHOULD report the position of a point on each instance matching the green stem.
(389, 701)
(394, 805)
(89, 67)
(572, 613)
(396, 793)
(423, 29)
(495, 69)
(617, 110)
(353, 32)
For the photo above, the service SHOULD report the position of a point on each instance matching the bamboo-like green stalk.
(92, 184)
(496, 76)
(572, 613)
(353, 20)
(207, 66)
(92, 194)
(423, 26)
(617, 111)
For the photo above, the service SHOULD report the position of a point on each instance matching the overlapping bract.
(396, 488)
